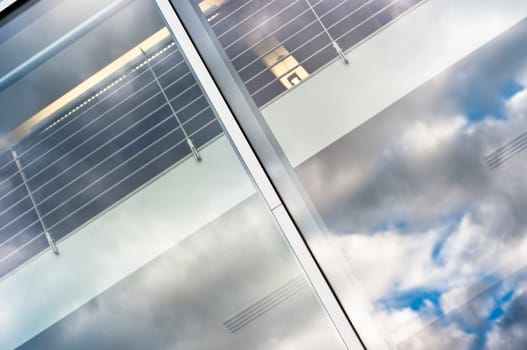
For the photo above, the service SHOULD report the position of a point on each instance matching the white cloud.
(376, 259)
(422, 139)
(421, 208)
(517, 105)
(439, 338)
(510, 331)
(181, 299)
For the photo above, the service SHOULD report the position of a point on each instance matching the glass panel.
(411, 148)
(126, 219)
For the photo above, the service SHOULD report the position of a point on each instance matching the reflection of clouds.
(449, 337)
(391, 248)
(181, 299)
(415, 208)
(493, 319)
(509, 332)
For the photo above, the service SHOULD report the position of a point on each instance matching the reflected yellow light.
(283, 65)
(75, 93)
(207, 5)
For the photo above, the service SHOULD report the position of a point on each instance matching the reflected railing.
(147, 116)
(275, 45)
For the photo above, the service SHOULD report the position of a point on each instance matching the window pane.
(126, 219)
(412, 152)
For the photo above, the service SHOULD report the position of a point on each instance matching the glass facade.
(127, 219)
(402, 124)
(142, 142)
(274, 45)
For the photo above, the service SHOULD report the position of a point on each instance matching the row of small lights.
(108, 87)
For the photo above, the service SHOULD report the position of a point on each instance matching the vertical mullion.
(260, 178)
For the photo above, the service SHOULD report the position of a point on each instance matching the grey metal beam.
(282, 175)
(61, 43)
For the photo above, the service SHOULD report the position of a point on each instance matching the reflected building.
(262, 174)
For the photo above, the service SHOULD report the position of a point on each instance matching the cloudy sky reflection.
(432, 232)
(181, 299)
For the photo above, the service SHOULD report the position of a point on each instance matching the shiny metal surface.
(281, 174)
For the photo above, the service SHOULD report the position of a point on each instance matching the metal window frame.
(260, 178)
(5, 4)
(251, 127)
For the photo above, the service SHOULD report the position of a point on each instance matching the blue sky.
(433, 234)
